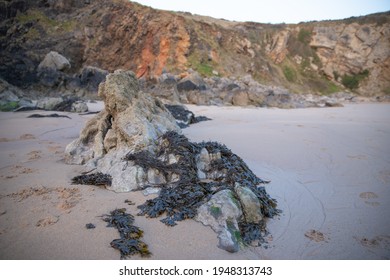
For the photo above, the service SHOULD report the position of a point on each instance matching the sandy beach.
(329, 170)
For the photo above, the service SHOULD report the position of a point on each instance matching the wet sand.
(329, 170)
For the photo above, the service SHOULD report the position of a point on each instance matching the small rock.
(250, 204)
(79, 107)
(90, 226)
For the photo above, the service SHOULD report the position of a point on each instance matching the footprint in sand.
(369, 197)
(34, 155)
(316, 235)
(22, 170)
(48, 221)
(26, 136)
(377, 241)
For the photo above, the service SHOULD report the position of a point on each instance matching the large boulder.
(130, 122)
(53, 60)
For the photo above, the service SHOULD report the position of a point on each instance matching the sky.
(273, 11)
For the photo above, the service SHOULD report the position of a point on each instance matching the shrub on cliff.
(352, 81)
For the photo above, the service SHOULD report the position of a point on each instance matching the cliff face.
(317, 57)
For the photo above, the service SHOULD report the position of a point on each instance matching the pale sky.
(273, 11)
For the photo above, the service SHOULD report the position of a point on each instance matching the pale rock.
(203, 163)
(53, 60)
(241, 99)
(130, 122)
(250, 204)
(79, 107)
(49, 103)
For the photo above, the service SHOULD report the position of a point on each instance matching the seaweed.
(48, 116)
(90, 226)
(253, 233)
(129, 242)
(96, 179)
(183, 116)
(180, 200)
(129, 202)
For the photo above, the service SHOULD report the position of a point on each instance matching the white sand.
(330, 172)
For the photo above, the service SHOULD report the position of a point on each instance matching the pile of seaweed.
(180, 198)
(183, 116)
(129, 242)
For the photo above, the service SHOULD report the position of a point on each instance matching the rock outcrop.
(130, 122)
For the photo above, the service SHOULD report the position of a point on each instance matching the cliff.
(315, 57)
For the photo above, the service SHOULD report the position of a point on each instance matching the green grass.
(9, 106)
(352, 81)
(289, 74)
(304, 36)
(199, 63)
(51, 26)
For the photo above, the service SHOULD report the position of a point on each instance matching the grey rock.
(222, 213)
(240, 99)
(49, 103)
(192, 82)
(90, 77)
(250, 204)
(151, 190)
(79, 107)
(130, 122)
(53, 60)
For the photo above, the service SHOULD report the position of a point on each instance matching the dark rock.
(50, 77)
(9, 9)
(183, 116)
(192, 82)
(90, 226)
(90, 78)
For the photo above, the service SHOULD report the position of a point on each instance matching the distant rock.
(90, 78)
(192, 82)
(240, 98)
(53, 60)
(183, 116)
(63, 104)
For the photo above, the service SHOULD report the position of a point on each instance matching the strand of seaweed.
(129, 242)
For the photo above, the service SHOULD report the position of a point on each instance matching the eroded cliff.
(315, 57)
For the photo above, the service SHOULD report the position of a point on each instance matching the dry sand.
(330, 172)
